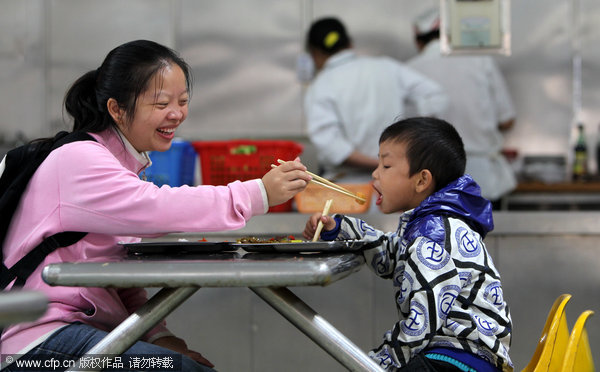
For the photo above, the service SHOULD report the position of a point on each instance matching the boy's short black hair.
(432, 144)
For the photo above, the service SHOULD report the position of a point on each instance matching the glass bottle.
(598, 153)
(580, 170)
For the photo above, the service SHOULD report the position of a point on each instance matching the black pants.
(419, 363)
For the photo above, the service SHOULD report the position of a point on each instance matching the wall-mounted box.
(475, 26)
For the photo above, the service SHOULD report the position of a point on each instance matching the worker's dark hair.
(424, 39)
(327, 35)
(432, 144)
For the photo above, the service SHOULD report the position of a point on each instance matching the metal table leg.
(18, 306)
(140, 322)
(316, 328)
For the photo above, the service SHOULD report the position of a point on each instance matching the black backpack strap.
(4, 274)
(15, 178)
(63, 138)
(27, 265)
(12, 183)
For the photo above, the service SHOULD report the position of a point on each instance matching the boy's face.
(396, 190)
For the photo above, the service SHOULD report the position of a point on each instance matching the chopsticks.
(320, 224)
(318, 180)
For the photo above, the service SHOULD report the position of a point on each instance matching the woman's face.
(160, 109)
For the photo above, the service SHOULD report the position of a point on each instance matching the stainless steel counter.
(505, 223)
(540, 196)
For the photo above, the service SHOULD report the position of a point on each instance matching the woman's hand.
(285, 181)
(178, 345)
(313, 221)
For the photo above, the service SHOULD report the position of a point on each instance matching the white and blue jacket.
(448, 291)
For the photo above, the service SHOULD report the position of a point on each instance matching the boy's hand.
(285, 181)
(313, 221)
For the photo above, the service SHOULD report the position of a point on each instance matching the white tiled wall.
(243, 54)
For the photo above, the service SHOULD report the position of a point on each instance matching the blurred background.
(243, 54)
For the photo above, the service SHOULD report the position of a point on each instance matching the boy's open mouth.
(379, 196)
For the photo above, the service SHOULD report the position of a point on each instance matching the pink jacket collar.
(123, 150)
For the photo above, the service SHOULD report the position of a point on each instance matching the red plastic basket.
(222, 162)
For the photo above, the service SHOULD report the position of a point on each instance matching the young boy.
(452, 315)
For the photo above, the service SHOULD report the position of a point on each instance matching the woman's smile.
(167, 133)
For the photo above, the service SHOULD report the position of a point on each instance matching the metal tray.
(333, 246)
(142, 248)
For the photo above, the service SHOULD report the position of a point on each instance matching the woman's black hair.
(327, 35)
(124, 75)
(432, 144)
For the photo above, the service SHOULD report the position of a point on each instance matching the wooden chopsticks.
(318, 180)
(320, 224)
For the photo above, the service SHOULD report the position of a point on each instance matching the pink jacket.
(94, 187)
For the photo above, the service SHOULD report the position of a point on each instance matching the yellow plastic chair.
(550, 350)
(578, 357)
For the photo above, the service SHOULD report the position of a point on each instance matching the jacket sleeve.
(425, 95)
(502, 102)
(381, 249)
(99, 195)
(324, 126)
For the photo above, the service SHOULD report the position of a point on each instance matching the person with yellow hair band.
(331, 39)
(353, 98)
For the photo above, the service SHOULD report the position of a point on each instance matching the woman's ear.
(425, 182)
(115, 111)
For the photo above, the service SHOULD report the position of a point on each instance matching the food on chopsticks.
(318, 180)
(281, 239)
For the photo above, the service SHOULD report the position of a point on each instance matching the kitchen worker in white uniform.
(480, 106)
(354, 98)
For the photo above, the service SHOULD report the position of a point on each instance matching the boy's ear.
(425, 182)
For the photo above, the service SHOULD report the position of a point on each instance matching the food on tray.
(281, 239)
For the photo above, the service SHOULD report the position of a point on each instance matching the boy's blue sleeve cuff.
(332, 234)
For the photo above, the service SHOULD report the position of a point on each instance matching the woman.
(133, 103)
